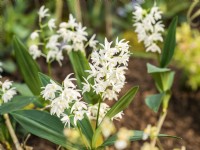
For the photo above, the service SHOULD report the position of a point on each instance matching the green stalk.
(99, 106)
(162, 118)
(49, 69)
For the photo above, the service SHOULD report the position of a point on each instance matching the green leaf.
(154, 101)
(44, 125)
(44, 79)
(136, 137)
(153, 69)
(86, 128)
(163, 77)
(22, 89)
(16, 103)
(169, 44)
(27, 66)
(80, 64)
(122, 103)
(115, 109)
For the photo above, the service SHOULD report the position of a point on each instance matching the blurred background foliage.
(106, 18)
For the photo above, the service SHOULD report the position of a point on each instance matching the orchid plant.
(75, 114)
(149, 28)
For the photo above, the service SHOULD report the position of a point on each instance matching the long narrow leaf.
(44, 125)
(136, 137)
(27, 66)
(16, 103)
(118, 107)
(169, 44)
(86, 128)
(80, 64)
(122, 103)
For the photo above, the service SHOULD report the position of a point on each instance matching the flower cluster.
(63, 98)
(108, 69)
(149, 27)
(6, 90)
(67, 97)
(68, 36)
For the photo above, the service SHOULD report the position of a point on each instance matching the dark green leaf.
(44, 79)
(86, 128)
(169, 44)
(115, 109)
(18, 102)
(154, 101)
(44, 125)
(136, 137)
(122, 103)
(28, 67)
(80, 64)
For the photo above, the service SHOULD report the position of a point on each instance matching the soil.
(182, 120)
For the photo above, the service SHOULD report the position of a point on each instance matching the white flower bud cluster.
(149, 27)
(63, 98)
(7, 92)
(69, 36)
(108, 69)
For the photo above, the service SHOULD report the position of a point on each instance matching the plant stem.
(162, 117)
(99, 106)
(59, 9)
(12, 132)
(49, 69)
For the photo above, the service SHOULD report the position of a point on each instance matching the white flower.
(34, 51)
(34, 35)
(66, 120)
(7, 91)
(8, 95)
(149, 27)
(93, 42)
(58, 106)
(53, 42)
(121, 144)
(72, 22)
(68, 81)
(6, 85)
(78, 115)
(118, 116)
(108, 69)
(50, 90)
(123, 137)
(43, 12)
(55, 55)
(78, 106)
(86, 86)
(68, 48)
(51, 24)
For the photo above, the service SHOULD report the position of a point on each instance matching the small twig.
(12, 132)
(159, 144)
(58, 147)
(25, 141)
(160, 123)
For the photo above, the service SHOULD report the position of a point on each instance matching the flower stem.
(49, 69)
(99, 106)
(12, 132)
(162, 118)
